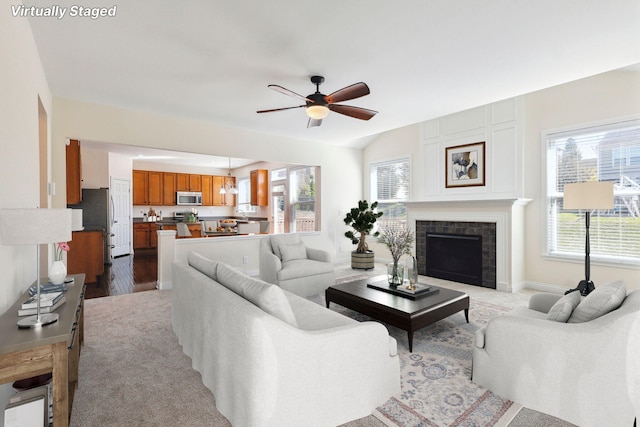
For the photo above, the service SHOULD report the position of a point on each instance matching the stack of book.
(48, 302)
(50, 287)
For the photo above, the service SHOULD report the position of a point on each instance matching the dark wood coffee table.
(404, 313)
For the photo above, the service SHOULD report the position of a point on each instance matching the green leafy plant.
(362, 219)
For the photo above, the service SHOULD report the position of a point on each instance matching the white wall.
(602, 97)
(22, 82)
(341, 167)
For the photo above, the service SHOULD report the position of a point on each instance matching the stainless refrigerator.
(97, 214)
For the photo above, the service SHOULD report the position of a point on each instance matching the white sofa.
(585, 371)
(272, 358)
(288, 263)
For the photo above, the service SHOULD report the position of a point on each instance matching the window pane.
(605, 153)
(390, 187)
(302, 182)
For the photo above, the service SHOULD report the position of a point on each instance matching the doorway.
(120, 217)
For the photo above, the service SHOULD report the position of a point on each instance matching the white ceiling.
(212, 60)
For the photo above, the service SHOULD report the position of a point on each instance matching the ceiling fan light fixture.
(317, 112)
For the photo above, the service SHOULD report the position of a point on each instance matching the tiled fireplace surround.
(506, 214)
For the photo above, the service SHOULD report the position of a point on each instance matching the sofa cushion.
(303, 268)
(283, 239)
(203, 265)
(270, 298)
(599, 302)
(562, 309)
(230, 278)
(295, 251)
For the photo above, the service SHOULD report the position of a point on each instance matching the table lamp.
(35, 227)
(587, 196)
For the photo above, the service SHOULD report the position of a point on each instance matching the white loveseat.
(585, 371)
(272, 358)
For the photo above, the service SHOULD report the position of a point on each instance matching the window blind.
(390, 187)
(600, 153)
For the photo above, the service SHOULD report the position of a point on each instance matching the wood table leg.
(60, 385)
(466, 314)
(410, 335)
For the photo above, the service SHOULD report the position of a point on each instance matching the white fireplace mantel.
(507, 214)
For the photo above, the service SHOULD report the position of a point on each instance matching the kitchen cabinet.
(259, 187)
(74, 172)
(145, 236)
(86, 254)
(217, 198)
(229, 199)
(188, 182)
(147, 188)
(207, 190)
(169, 186)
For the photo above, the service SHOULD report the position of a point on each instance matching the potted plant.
(398, 240)
(362, 219)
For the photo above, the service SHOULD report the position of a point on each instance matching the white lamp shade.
(588, 195)
(34, 226)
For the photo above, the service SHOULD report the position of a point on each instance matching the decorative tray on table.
(421, 290)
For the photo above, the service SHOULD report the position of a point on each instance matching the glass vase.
(395, 274)
(411, 271)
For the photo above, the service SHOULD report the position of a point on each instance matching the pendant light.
(230, 188)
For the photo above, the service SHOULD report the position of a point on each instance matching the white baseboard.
(544, 287)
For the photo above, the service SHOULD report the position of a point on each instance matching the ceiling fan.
(318, 105)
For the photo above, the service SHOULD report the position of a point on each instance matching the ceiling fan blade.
(350, 92)
(355, 112)
(314, 122)
(279, 109)
(288, 92)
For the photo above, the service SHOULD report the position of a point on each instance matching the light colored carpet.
(133, 372)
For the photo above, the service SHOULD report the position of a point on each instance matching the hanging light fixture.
(230, 188)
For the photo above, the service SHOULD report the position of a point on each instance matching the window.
(601, 153)
(390, 187)
(295, 192)
(244, 196)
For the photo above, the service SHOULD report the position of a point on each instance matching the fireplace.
(456, 257)
(459, 251)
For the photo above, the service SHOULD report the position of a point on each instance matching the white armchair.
(288, 263)
(586, 373)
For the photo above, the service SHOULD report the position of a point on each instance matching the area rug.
(435, 378)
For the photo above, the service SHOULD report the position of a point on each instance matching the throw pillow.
(562, 309)
(283, 239)
(271, 299)
(232, 278)
(599, 302)
(291, 252)
(203, 265)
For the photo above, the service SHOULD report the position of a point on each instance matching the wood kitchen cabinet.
(74, 172)
(147, 188)
(169, 188)
(188, 182)
(86, 254)
(259, 187)
(217, 198)
(145, 236)
(229, 199)
(207, 190)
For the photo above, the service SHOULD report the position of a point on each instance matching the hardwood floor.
(127, 274)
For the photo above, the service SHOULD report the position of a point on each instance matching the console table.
(54, 348)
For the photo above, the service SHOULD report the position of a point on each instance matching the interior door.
(120, 217)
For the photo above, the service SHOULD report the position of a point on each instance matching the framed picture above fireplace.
(465, 165)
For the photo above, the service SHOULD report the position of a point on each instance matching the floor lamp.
(35, 227)
(587, 196)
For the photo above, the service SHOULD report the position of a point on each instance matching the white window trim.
(385, 162)
(601, 260)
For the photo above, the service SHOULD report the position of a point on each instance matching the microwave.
(189, 198)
